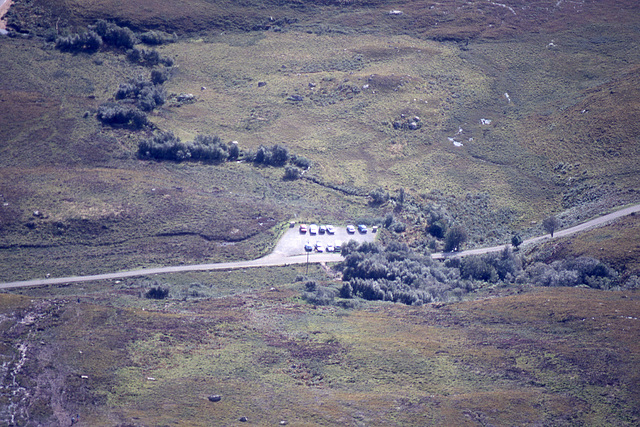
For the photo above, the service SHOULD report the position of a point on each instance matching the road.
(288, 251)
(596, 222)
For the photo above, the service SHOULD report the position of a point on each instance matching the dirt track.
(289, 250)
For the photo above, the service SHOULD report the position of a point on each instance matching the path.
(278, 257)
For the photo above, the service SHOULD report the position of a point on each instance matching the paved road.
(596, 222)
(287, 253)
(288, 250)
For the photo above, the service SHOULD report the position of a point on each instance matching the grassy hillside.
(552, 356)
(488, 115)
(521, 120)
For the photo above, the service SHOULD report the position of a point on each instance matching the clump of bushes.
(397, 274)
(204, 148)
(88, 41)
(118, 114)
(148, 57)
(146, 95)
(157, 38)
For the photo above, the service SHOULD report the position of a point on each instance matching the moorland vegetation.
(448, 125)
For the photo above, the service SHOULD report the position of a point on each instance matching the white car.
(351, 229)
(303, 228)
(319, 246)
(313, 229)
(330, 248)
(322, 229)
(331, 229)
(337, 246)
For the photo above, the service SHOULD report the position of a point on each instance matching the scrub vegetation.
(153, 132)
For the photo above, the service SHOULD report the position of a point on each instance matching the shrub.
(157, 293)
(454, 238)
(115, 35)
(166, 146)
(157, 38)
(292, 173)
(276, 156)
(89, 42)
(116, 114)
(301, 161)
(378, 196)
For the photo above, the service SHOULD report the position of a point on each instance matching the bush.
(116, 114)
(148, 57)
(292, 173)
(88, 42)
(454, 238)
(301, 161)
(378, 196)
(157, 38)
(147, 95)
(276, 156)
(157, 293)
(166, 146)
(115, 35)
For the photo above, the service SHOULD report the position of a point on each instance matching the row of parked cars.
(329, 229)
(335, 247)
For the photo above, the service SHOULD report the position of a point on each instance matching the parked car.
(319, 246)
(362, 228)
(303, 228)
(331, 229)
(308, 247)
(322, 229)
(313, 229)
(351, 229)
(330, 248)
(337, 246)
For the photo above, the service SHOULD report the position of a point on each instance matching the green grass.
(273, 358)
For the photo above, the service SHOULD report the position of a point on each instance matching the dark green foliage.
(157, 293)
(147, 95)
(581, 271)
(516, 240)
(378, 196)
(119, 114)
(158, 77)
(437, 229)
(276, 156)
(300, 161)
(148, 57)
(115, 35)
(166, 146)
(157, 38)
(454, 238)
(310, 286)
(292, 173)
(550, 224)
(86, 42)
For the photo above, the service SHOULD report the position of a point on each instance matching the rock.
(186, 97)
(413, 126)
(262, 84)
(215, 398)
(295, 98)
(243, 419)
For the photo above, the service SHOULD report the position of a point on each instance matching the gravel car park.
(293, 241)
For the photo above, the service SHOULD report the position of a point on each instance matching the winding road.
(282, 255)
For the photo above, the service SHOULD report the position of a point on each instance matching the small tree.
(454, 238)
(516, 240)
(550, 224)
